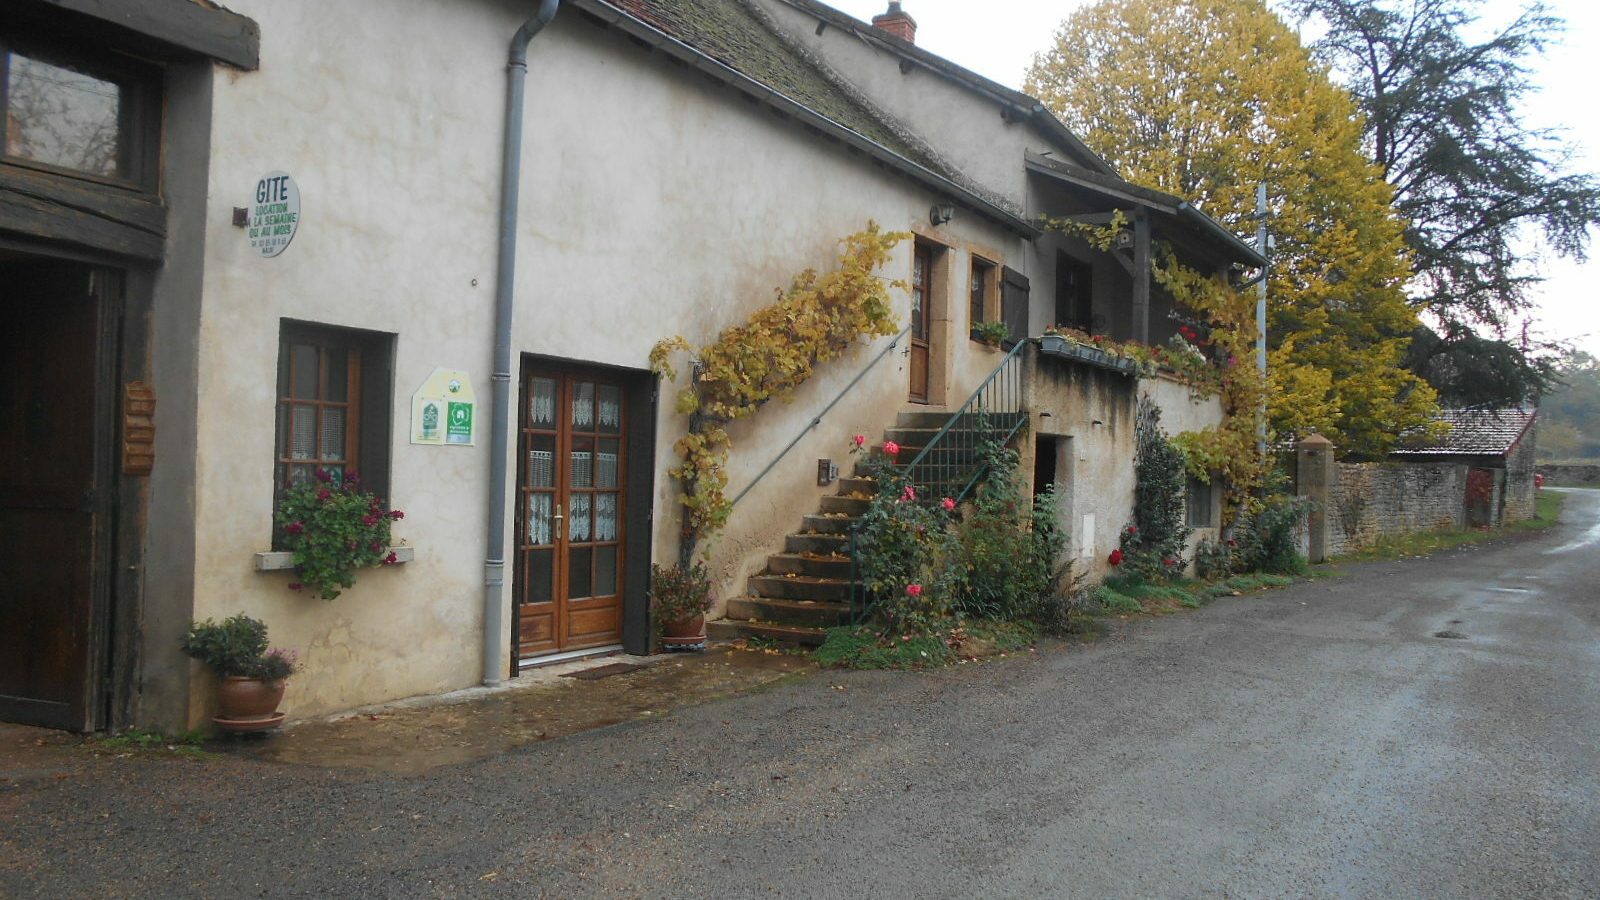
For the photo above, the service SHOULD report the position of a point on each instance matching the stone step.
(824, 524)
(805, 613)
(853, 506)
(816, 567)
(817, 543)
(862, 486)
(800, 587)
(732, 630)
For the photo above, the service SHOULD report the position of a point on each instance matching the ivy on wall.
(769, 356)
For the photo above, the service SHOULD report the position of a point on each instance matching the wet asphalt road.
(1318, 742)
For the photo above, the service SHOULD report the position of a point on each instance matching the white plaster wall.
(963, 126)
(653, 203)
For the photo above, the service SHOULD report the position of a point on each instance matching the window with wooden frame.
(1201, 503)
(90, 117)
(980, 288)
(333, 404)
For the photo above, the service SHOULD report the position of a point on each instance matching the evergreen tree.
(1206, 98)
(1443, 121)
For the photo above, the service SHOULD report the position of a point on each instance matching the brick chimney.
(897, 23)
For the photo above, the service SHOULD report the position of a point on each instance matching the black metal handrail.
(993, 413)
(817, 419)
(951, 458)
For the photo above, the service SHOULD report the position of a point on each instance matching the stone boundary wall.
(1367, 500)
(1570, 476)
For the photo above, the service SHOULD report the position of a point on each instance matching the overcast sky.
(998, 39)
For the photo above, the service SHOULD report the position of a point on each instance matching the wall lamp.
(941, 213)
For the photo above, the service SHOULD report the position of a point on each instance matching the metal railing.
(817, 419)
(951, 464)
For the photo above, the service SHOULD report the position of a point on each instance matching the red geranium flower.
(1115, 558)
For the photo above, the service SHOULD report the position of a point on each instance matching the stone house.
(238, 244)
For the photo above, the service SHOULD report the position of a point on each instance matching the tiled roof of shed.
(1474, 432)
(726, 31)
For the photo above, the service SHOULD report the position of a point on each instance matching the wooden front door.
(570, 531)
(54, 489)
(921, 321)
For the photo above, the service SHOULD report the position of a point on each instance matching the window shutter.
(1014, 304)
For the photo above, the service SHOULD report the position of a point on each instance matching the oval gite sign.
(275, 215)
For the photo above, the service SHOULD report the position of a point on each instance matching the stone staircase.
(805, 590)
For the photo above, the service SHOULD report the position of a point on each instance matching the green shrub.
(1267, 538)
(1152, 547)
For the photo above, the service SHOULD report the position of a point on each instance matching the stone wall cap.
(1315, 442)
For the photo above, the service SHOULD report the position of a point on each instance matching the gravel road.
(1319, 741)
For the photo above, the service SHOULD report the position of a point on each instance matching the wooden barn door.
(570, 522)
(55, 489)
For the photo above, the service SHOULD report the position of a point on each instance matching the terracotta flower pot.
(689, 634)
(248, 700)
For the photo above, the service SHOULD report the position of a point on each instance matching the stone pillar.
(1314, 459)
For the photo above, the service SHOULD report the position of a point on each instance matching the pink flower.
(391, 559)
(369, 520)
(1115, 558)
(1169, 561)
(948, 504)
(891, 448)
(859, 440)
(324, 476)
(294, 585)
(1133, 529)
(294, 527)
(909, 494)
(324, 494)
(376, 546)
(396, 514)
(914, 590)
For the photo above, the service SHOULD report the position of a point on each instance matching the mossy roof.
(728, 32)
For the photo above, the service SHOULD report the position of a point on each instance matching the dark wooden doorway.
(921, 321)
(571, 511)
(56, 488)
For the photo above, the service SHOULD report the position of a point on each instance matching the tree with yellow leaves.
(1206, 98)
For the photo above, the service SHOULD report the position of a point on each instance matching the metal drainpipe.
(494, 566)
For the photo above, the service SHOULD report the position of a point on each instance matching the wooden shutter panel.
(1014, 304)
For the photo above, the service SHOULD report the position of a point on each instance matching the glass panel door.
(570, 529)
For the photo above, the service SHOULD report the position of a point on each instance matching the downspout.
(494, 565)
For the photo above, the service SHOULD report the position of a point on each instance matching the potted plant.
(333, 528)
(991, 333)
(1054, 340)
(252, 676)
(680, 598)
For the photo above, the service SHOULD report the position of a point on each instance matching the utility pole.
(1261, 315)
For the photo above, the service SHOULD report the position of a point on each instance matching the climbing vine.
(769, 356)
(1215, 340)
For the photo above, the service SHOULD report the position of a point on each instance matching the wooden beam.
(1104, 218)
(50, 219)
(141, 211)
(1141, 276)
(204, 30)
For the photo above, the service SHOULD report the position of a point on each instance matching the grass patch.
(861, 647)
(189, 743)
(1547, 507)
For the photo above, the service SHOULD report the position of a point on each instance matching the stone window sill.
(278, 560)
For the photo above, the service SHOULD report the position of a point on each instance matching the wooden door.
(570, 522)
(54, 490)
(921, 322)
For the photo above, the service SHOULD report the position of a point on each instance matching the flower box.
(279, 560)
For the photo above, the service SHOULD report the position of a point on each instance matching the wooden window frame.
(369, 383)
(982, 286)
(139, 116)
(1200, 503)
